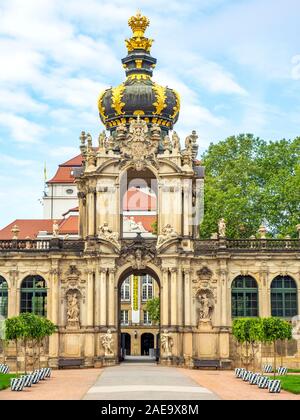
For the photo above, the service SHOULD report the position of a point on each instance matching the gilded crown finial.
(138, 24)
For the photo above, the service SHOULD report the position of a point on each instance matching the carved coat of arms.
(137, 144)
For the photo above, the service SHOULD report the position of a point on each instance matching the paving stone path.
(146, 381)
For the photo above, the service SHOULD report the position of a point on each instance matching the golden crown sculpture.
(138, 24)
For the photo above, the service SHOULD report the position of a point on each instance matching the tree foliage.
(153, 307)
(249, 182)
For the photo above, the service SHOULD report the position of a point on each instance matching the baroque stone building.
(202, 284)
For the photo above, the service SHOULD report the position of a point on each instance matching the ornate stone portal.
(195, 277)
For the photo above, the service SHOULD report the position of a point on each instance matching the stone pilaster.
(165, 297)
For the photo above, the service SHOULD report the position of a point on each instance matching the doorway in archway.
(147, 345)
(125, 344)
(137, 331)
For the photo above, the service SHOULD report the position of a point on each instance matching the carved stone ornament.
(138, 253)
(106, 234)
(139, 260)
(107, 342)
(137, 145)
(204, 280)
(167, 234)
(222, 228)
(166, 343)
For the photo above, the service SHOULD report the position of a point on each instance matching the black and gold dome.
(139, 95)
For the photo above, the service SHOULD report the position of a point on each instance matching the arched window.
(244, 297)
(125, 290)
(284, 302)
(34, 295)
(147, 288)
(3, 297)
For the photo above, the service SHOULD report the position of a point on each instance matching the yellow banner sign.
(135, 298)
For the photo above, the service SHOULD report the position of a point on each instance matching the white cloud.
(21, 129)
(296, 67)
(15, 162)
(19, 101)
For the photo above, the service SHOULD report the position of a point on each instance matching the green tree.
(275, 329)
(14, 330)
(250, 181)
(153, 307)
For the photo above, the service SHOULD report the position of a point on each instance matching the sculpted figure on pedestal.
(73, 308)
(222, 228)
(104, 232)
(167, 233)
(166, 343)
(107, 343)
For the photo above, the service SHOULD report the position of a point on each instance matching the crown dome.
(139, 95)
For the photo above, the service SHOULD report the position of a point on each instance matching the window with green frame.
(284, 301)
(34, 295)
(244, 297)
(3, 297)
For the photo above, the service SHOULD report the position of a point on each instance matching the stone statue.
(104, 232)
(206, 307)
(176, 142)
(167, 233)
(187, 159)
(167, 144)
(107, 343)
(102, 140)
(262, 232)
(73, 308)
(166, 343)
(110, 144)
(191, 141)
(222, 228)
(55, 229)
(298, 230)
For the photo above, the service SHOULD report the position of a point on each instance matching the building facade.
(80, 284)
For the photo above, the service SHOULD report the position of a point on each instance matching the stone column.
(187, 197)
(264, 296)
(111, 297)
(225, 316)
(165, 297)
(180, 305)
(90, 299)
(13, 295)
(174, 296)
(91, 212)
(187, 297)
(102, 297)
(53, 294)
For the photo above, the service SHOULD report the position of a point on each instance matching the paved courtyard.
(147, 381)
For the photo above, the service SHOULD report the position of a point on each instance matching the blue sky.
(236, 64)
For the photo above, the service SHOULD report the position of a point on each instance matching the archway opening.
(139, 315)
(138, 201)
(147, 345)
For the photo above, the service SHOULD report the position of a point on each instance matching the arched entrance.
(137, 331)
(147, 345)
(125, 345)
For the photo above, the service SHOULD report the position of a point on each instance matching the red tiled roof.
(135, 199)
(31, 228)
(63, 176)
(69, 226)
(76, 161)
(28, 228)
